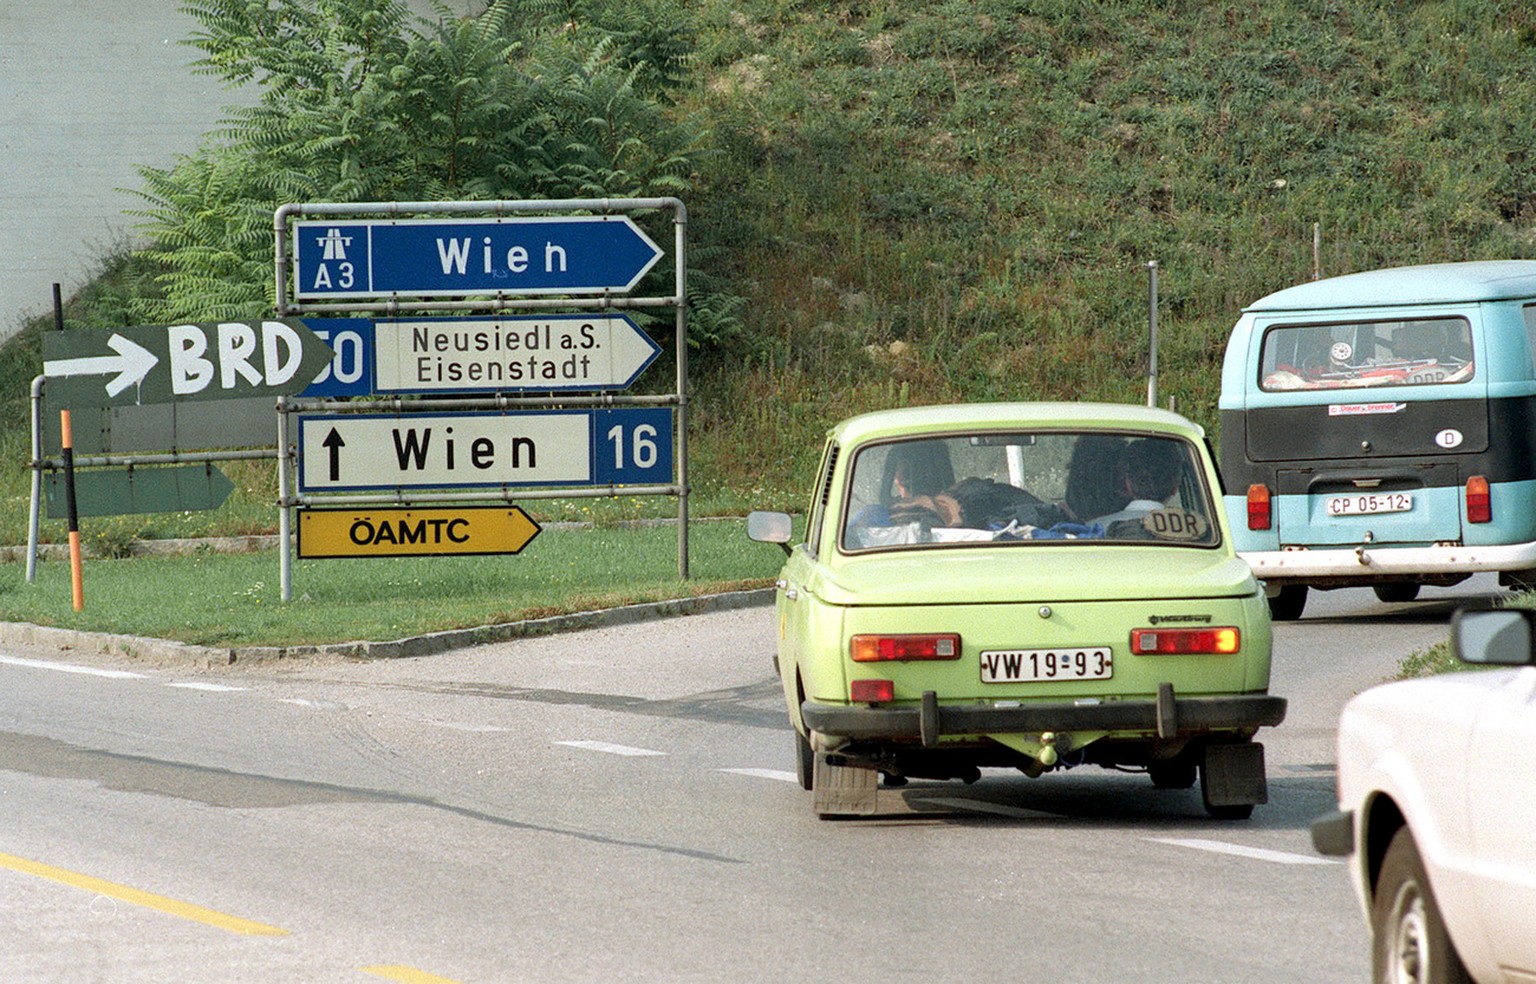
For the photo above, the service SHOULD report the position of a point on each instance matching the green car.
(1031, 586)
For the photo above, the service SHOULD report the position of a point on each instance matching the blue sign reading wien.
(587, 254)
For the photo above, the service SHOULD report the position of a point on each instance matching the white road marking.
(1257, 853)
(476, 728)
(603, 746)
(981, 806)
(778, 774)
(43, 664)
(197, 685)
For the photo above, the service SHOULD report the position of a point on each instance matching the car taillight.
(880, 648)
(1224, 639)
(871, 691)
(1479, 502)
(1258, 507)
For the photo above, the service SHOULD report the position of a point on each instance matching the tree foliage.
(361, 100)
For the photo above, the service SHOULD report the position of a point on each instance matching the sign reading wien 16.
(619, 446)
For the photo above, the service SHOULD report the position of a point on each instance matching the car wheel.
(1287, 605)
(1177, 774)
(805, 760)
(1409, 943)
(1396, 591)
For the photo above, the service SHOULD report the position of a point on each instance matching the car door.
(794, 603)
(1501, 785)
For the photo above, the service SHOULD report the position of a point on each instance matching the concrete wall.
(89, 90)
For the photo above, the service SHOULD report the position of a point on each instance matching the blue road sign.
(586, 254)
(358, 452)
(350, 372)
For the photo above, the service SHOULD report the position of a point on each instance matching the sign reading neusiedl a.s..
(170, 363)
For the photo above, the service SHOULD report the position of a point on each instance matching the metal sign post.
(580, 436)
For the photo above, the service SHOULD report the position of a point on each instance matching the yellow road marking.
(406, 975)
(149, 900)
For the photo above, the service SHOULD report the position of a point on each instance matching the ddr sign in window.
(1366, 354)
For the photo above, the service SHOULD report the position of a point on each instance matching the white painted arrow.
(131, 363)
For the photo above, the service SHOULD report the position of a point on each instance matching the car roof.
(1435, 283)
(1001, 416)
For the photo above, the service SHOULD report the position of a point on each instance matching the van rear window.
(1364, 354)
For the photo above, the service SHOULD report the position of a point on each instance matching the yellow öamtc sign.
(460, 531)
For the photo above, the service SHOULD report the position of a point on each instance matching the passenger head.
(916, 468)
(1096, 476)
(1152, 468)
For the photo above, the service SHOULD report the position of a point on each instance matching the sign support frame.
(394, 305)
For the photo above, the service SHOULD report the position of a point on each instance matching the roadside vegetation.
(890, 203)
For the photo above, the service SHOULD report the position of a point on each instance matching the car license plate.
(1368, 503)
(1033, 665)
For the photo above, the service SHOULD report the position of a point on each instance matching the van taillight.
(1479, 503)
(1258, 507)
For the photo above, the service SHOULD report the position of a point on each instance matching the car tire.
(1409, 941)
(1287, 605)
(1396, 591)
(1179, 773)
(805, 760)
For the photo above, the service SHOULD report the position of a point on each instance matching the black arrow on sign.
(335, 443)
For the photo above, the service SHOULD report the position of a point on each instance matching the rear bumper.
(1367, 562)
(1168, 716)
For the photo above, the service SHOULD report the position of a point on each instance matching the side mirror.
(770, 527)
(1500, 637)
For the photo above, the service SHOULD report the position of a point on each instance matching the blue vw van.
(1379, 429)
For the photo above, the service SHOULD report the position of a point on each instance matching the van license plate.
(1375, 502)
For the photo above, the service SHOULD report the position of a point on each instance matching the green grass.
(939, 201)
(221, 599)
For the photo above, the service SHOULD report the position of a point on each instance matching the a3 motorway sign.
(617, 446)
(585, 254)
(171, 363)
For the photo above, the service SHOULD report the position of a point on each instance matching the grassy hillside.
(956, 200)
(945, 200)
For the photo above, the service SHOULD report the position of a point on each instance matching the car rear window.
(1364, 354)
(1050, 487)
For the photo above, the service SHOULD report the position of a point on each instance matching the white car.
(1437, 811)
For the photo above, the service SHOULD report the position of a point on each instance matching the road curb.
(141, 647)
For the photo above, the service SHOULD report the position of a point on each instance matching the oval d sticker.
(1449, 438)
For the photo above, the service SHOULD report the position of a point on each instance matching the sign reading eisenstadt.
(552, 352)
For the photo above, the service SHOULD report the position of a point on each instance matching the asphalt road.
(619, 804)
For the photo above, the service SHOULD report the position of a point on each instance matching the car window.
(1051, 487)
(819, 502)
(1366, 354)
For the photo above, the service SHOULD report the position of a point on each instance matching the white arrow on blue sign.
(584, 254)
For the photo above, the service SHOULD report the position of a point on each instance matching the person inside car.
(1151, 478)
